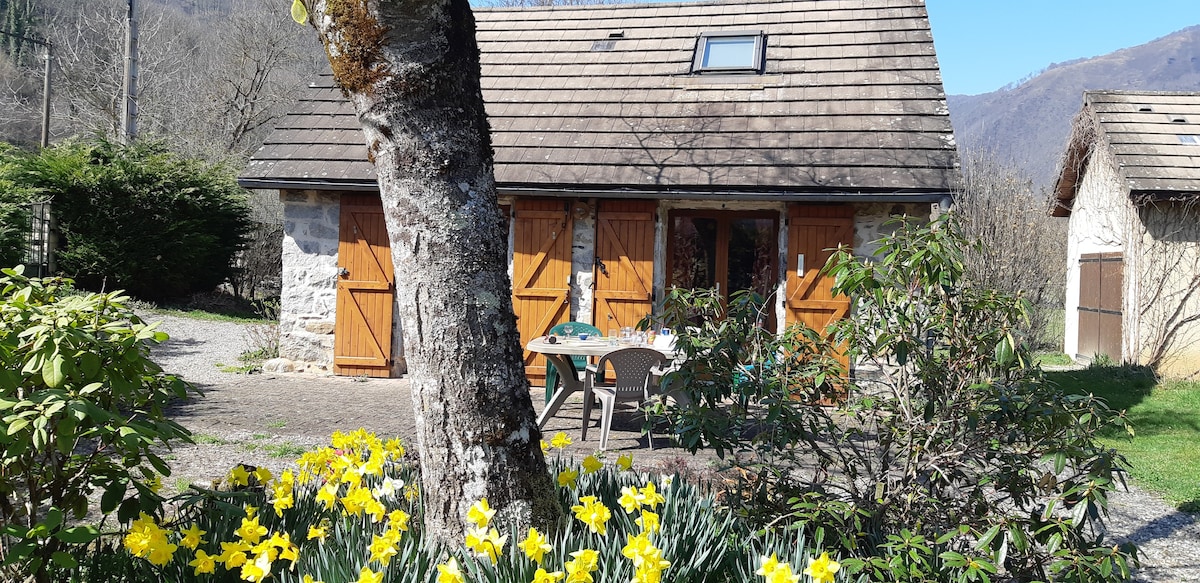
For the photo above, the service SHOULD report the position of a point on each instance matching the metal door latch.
(343, 272)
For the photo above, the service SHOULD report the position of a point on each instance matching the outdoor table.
(559, 354)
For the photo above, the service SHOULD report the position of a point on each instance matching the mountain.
(1028, 124)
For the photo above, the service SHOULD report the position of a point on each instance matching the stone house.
(637, 147)
(1130, 184)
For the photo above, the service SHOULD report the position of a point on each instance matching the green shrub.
(81, 406)
(141, 218)
(15, 197)
(373, 521)
(955, 461)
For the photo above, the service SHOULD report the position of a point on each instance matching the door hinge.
(601, 266)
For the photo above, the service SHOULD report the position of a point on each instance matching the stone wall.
(308, 303)
(871, 222)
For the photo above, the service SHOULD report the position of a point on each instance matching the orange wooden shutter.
(624, 270)
(814, 232)
(541, 272)
(365, 290)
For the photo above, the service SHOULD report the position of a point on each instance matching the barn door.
(813, 233)
(365, 290)
(624, 269)
(1100, 328)
(541, 272)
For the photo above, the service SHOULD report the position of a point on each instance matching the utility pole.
(46, 99)
(129, 101)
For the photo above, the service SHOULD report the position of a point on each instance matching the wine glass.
(568, 330)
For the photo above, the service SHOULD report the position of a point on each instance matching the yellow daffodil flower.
(309, 579)
(190, 537)
(480, 514)
(783, 574)
(624, 462)
(545, 447)
(767, 566)
(630, 499)
(233, 554)
(650, 497)
(154, 483)
(366, 575)
(238, 476)
(411, 492)
(649, 522)
(204, 563)
(250, 531)
(485, 543)
(637, 548)
(398, 520)
(536, 546)
(591, 465)
(593, 513)
(821, 569)
(327, 495)
(541, 576)
(560, 440)
(257, 570)
(449, 572)
(567, 477)
(586, 559)
(382, 549)
(318, 532)
(263, 475)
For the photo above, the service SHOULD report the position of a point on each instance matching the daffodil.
(649, 522)
(783, 574)
(580, 569)
(485, 543)
(821, 569)
(630, 499)
(567, 477)
(154, 483)
(411, 492)
(327, 495)
(263, 475)
(250, 531)
(204, 563)
(257, 570)
(593, 513)
(190, 537)
(480, 514)
(536, 546)
(624, 462)
(545, 447)
(238, 476)
(560, 440)
(767, 566)
(318, 532)
(233, 554)
(366, 575)
(650, 497)
(541, 576)
(449, 572)
(591, 465)
(398, 520)
(382, 549)
(309, 579)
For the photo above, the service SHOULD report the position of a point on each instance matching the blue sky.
(983, 45)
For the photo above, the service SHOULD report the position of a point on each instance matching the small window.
(1189, 139)
(1178, 119)
(1145, 109)
(729, 52)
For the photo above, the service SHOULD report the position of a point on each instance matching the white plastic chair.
(632, 368)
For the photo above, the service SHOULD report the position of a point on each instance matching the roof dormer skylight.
(729, 52)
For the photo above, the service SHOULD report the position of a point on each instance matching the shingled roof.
(603, 99)
(1154, 137)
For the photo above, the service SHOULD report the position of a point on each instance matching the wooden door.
(541, 272)
(1100, 316)
(365, 290)
(624, 267)
(813, 233)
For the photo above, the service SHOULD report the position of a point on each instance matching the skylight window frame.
(759, 52)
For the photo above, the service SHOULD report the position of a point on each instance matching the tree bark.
(411, 68)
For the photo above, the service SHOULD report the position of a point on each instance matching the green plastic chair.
(579, 360)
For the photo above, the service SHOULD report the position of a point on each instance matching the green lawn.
(1165, 451)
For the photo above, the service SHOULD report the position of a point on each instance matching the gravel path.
(268, 419)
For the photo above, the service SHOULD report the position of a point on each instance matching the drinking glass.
(612, 336)
(568, 330)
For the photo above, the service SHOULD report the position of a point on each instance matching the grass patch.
(285, 450)
(1166, 421)
(1052, 359)
(278, 424)
(206, 439)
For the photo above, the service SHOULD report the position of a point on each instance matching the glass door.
(726, 250)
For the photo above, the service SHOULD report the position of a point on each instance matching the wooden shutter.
(814, 232)
(541, 272)
(365, 290)
(624, 268)
(1100, 317)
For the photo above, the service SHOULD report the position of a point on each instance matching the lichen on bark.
(354, 46)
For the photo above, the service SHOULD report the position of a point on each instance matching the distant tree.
(1019, 248)
(141, 218)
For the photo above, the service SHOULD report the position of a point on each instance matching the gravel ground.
(268, 419)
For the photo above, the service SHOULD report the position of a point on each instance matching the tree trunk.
(411, 68)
